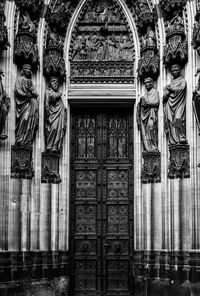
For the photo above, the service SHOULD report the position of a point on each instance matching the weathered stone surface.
(21, 162)
(151, 168)
(179, 166)
(50, 167)
(25, 47)
(176, 50)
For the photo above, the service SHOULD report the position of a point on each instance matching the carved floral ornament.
(59, 14)
(171, 7)
(33, 7)
(143, 14)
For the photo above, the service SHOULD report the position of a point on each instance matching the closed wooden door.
(101, 205)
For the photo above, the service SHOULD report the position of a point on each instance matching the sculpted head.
(26, 71)
(148, 83)
(54, 83)
(175, 70)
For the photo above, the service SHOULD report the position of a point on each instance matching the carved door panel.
(101, 209)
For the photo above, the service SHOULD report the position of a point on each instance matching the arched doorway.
(101, 98)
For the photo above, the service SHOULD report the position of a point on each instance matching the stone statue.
(26, 24)
(174, 101)
(149, 39)
(147, 116)
(26, 108)
(4, 107)
(55, 117)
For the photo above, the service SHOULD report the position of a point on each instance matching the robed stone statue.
(174, 101)
(55, 117)
(147, 116)
(4, 107)
(26, 108)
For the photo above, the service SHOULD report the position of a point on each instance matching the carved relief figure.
(26, 24)
(126, 49)
(4, 107)
(149, 39)
(55, 117)
(26, 108)
(95, 47)
(102, 12)
(147, 116)
(174, 101)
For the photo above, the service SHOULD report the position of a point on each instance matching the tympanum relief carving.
(102, 48)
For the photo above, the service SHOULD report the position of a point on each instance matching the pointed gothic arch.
(76, 18)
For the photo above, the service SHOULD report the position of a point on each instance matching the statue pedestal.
(151, 167)
(50, 167)
(21, 162)
(179, 166)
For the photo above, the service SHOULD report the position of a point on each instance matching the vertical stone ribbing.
(14, 216)
(25, 215)
(146, 192)
(54, 217)
(156, 216)
(45, 216)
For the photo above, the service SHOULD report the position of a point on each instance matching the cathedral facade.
(99, 147)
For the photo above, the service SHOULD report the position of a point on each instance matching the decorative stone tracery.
(143, 14)
(196, 31)
(59, 14)
(176, 49)
(171, 7)
(3, 31)
(54, 64)
(33, 7)
(148, 65)
(25, 47)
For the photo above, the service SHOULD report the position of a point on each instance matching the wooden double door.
(101, 205)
